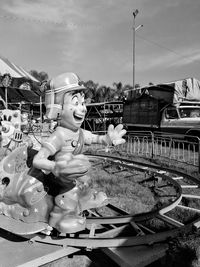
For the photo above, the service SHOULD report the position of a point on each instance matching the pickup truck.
(154, 109)
(183, 118)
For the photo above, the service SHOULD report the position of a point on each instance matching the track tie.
(161, 172)
(137, 228)
(188, 208)
(146, 229)
(169, 220)
(98, 215)
(111, 233)
(191, 196)
(117, 210)
(189, 186)
(92, 212)
(144, 168)
(92, 230)
(177, 178)
(197, 225)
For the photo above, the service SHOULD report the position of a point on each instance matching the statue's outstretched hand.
(115, 134)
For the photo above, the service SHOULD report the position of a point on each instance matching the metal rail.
(112, 227)
(159, 146)
(122, 231)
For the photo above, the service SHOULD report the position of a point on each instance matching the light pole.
(135, 12)
(138, 27)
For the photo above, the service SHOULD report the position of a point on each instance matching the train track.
(178, 215)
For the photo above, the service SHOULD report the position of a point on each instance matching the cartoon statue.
(65, 102)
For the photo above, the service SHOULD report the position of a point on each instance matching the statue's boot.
(94, 199)
(88, 197)
(65, 214)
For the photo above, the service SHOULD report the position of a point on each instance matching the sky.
(94, 38)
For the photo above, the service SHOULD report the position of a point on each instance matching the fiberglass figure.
(65, 101)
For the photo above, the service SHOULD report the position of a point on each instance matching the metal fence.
(157, 146)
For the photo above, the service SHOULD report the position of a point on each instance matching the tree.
(127, 91)
(118, 95)
(90, 94)
(40, 76)
(137, 86)
(103, 94)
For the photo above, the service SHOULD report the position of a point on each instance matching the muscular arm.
(91, 138)
(49, 148)
(101, 139)
(41, 161)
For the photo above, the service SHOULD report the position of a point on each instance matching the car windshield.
(189, 112)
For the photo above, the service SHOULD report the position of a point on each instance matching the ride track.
(108, 231)
(131, 230)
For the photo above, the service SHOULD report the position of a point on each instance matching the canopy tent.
(185, 90)
(171, 92)
(15, 71)
(17, 84)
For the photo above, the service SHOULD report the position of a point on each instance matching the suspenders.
(80, 143)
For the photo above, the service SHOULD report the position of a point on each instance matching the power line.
(166, 48)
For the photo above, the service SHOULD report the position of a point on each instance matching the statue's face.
(74, 110)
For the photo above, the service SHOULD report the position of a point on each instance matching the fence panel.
(150, 145)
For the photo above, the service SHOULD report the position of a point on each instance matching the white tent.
(22, 92)
(15, 71)
(186, 90)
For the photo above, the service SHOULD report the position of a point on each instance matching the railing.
(155, 146)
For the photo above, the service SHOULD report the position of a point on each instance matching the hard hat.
(60, 85)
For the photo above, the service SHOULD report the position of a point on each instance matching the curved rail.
(124, 229)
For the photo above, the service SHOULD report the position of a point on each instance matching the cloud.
(38, 10)
(167, 59)
(72, 12)
(188, 56)
(96, 35)
(148, 62)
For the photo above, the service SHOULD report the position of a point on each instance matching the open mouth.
(78, 118)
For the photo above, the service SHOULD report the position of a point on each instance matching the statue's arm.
(114, 136)
(42, 162)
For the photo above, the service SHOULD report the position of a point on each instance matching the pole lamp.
(135, 12)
